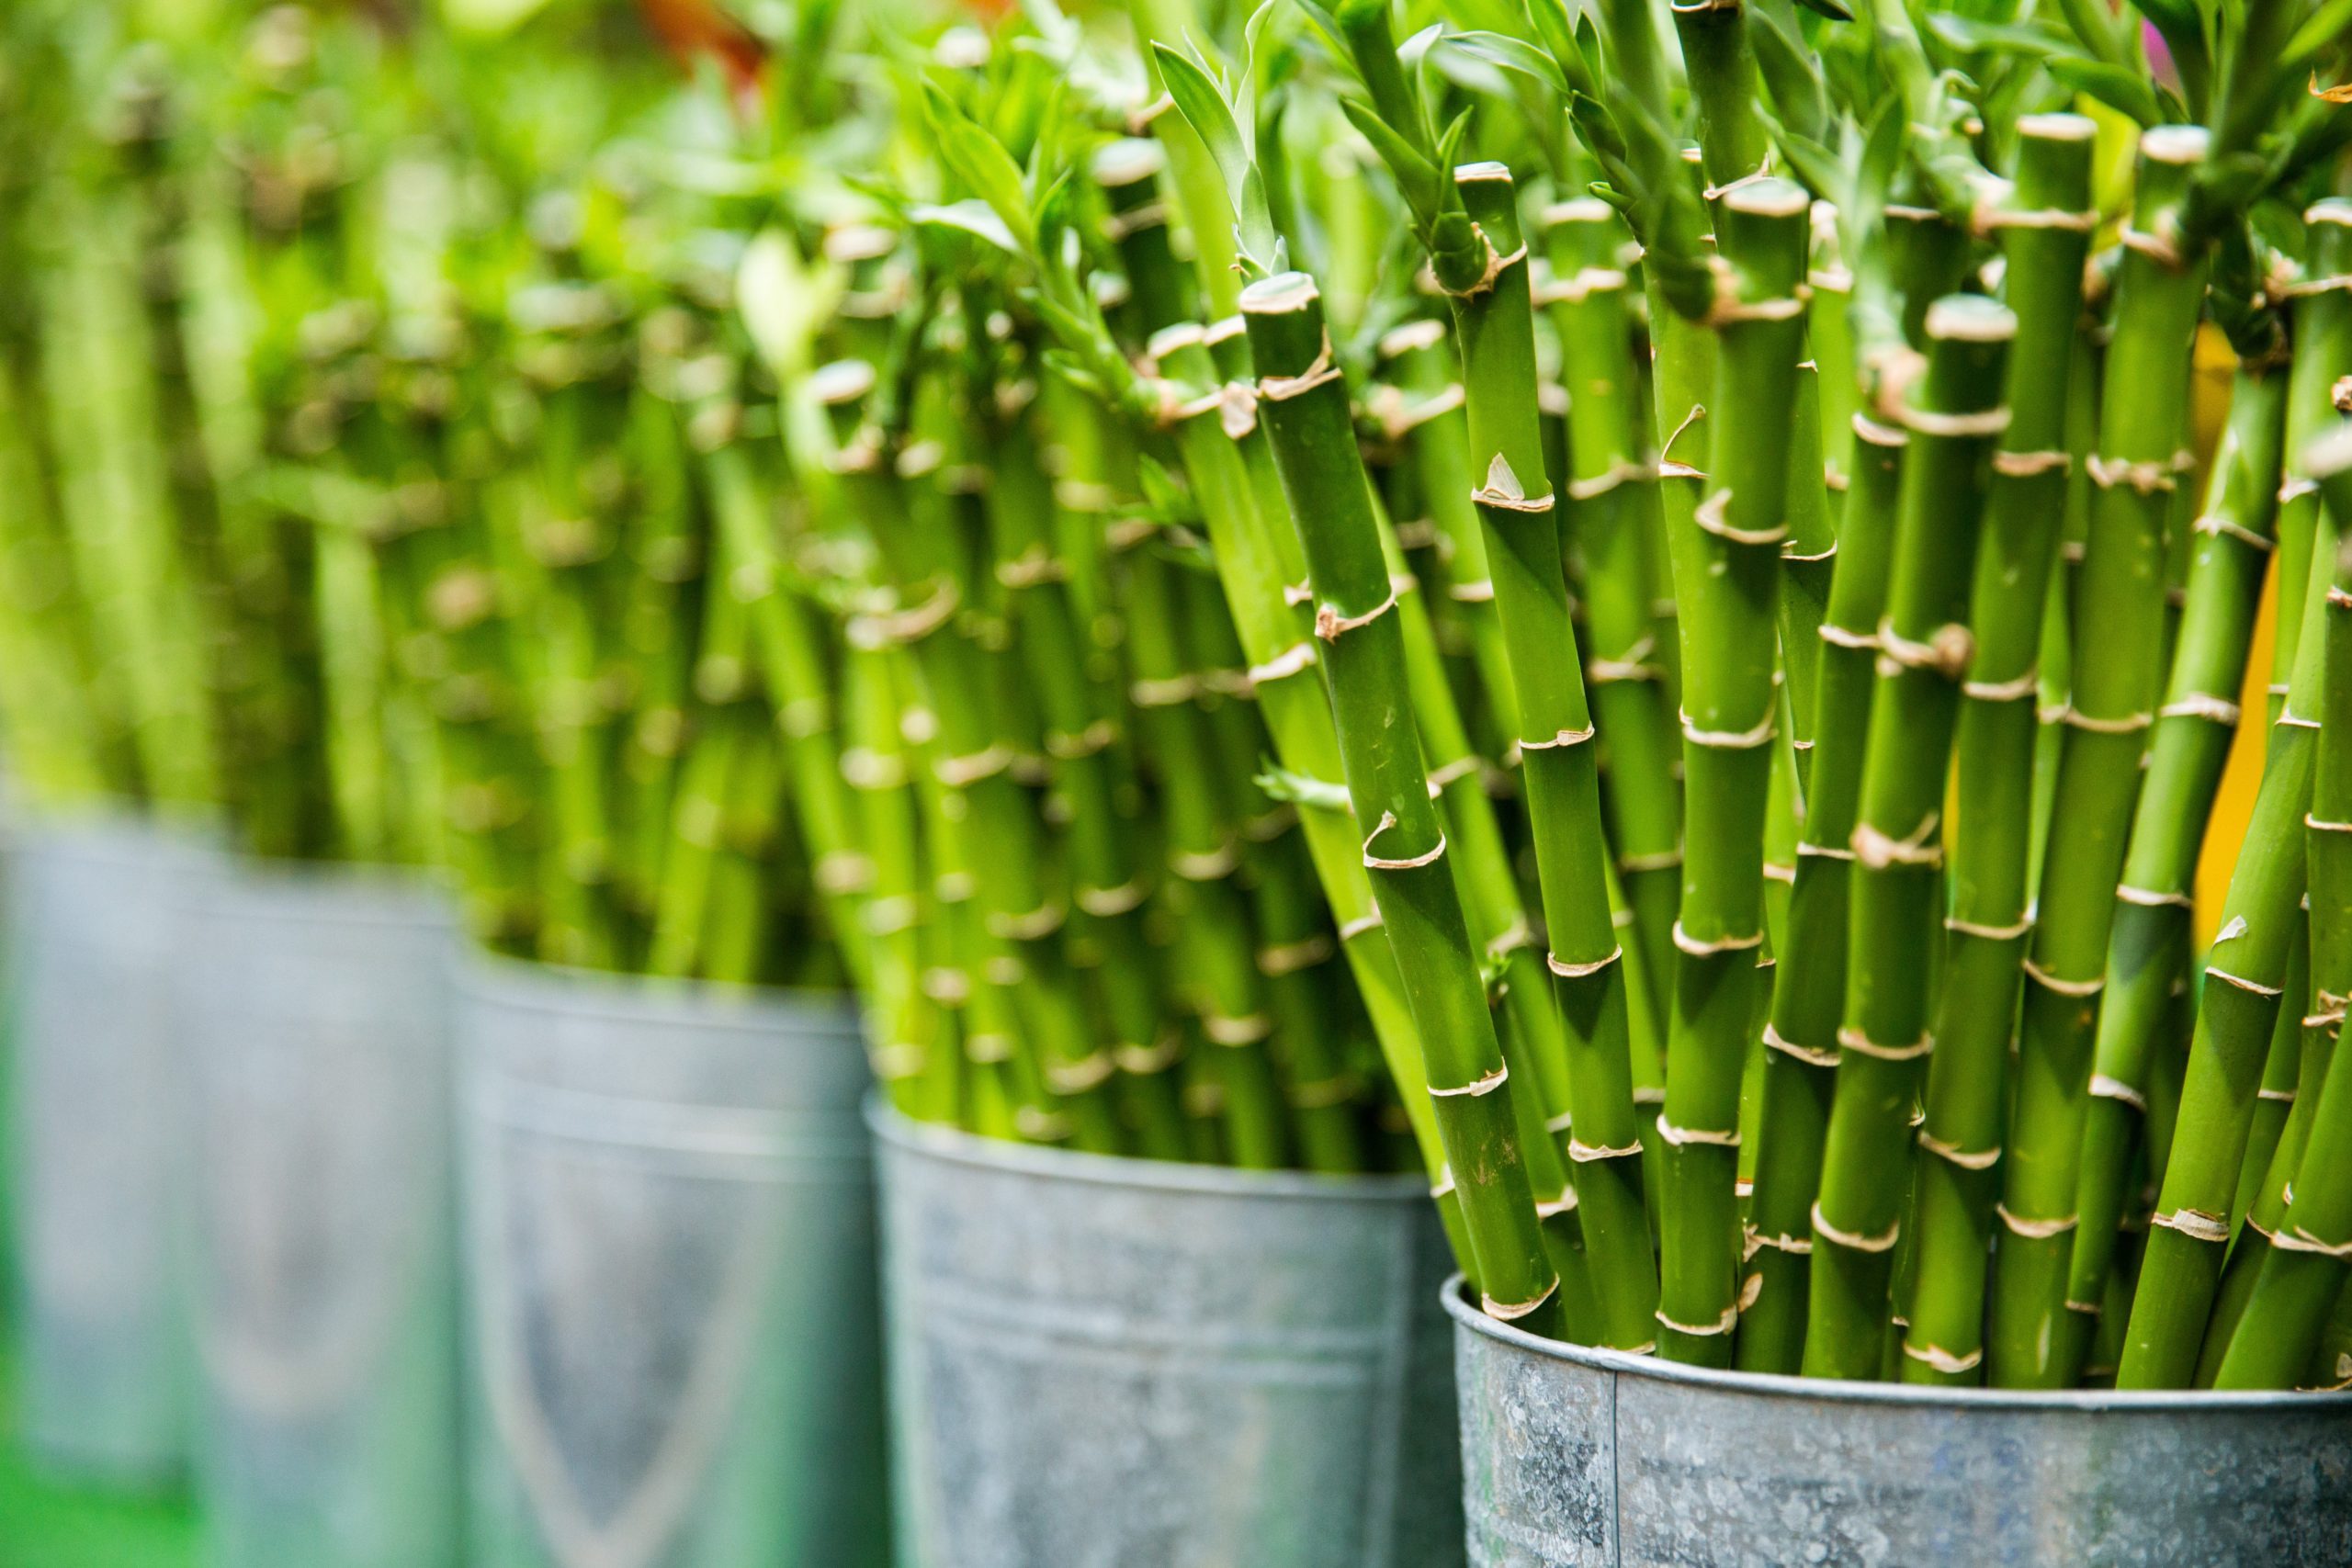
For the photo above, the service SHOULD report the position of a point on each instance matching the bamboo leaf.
(1416, 177)
(972, 216)
(1513, 54)
(1298, 789)
(979, 161)
(1971, 35)
(1832, 9)
(2328, 25)
(1201, 102)
(2123, 91)
(1789, 75)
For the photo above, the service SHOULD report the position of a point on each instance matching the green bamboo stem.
(2120, 611)
(1304, 408)
(2148, 949)
(2245, 973)
(2303, 1258)
(1959, 1139)
(1611, 500)
(1808, 999)
(1954, 416)
(2322, 358)
(1727, 565)
(1020, 916)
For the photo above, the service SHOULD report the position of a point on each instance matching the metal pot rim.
(109, 829)
(527, 983)
(1835, 1391)
(953, 1144)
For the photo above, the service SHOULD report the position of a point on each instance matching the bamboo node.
(1728, 739)
(2294, 487)
(2152, 898)
(1852, 1039)
(1660, 860)
(1069, 748)
(1511, 1312)
(1484, 1084)
(2219, 526)
(2017, 689)
(1412, 863)
(2253, 988)
(1823, 851)
(1946, 651)
(1039, 1126)
(1811, 1055)
(1496, 266)
(1723, 1324)
(1293, 661)
(1581, 286)
(1985, 932)
(1681, 1137)
(1107, 903)
(898, 1062)
(1872, 433)
(1728, 309)
(1855, 1241)
(2155, 247)
(962, 773)
(1322, 370)
(2065, 987)
(2201, 705)
(1958, 426)
(2148, 478)
(1479, 592)
(1504, 493)
(1567, 971)
(1142, 1061)
(1709, 515)
(1164, 691)
(1879, 851)
(1368, 921)
(1205, 865)
(2033, 1230)
(1331, 625)
(2129, 723)
(1751, 1289)
(1290, 957)
(1565, 737)
(1967, 1159)
(2105, 1087)
(1088, 1071)
(1831, 632)
(2195, 1224)
(1585, 1154)
(1323, 1094)
(1619, 473)
(2280, 1095)
(2026, 465)
(1794, 1246)
(1942, 1360)
(2318, 823)
(1776, 871)
(1247, 1030)
(1443, 1187)
(1469, 765)
(2297, 1239)
(1698, 949)
(2058, 218)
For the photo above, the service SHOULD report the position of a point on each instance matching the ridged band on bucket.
(313, 1008)
(103, 1342)
(1576, 1457)
(1112, 1363)
(669, 1230)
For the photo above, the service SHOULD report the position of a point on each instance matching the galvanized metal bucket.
(102, 1368)
(668, 1202)
(313, 1008)
(1116, 1364)
(1574, 1457)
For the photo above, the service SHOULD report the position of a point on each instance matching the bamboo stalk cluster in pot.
(1644, 616)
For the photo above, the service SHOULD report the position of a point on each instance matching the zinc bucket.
(314, 1015)
(673, 1332)
(102, 1343)
(1574, 1456)
(1098, 1363)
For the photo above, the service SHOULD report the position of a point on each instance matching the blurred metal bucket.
(1115, 1363)
(668, 1201)
(313, 1004)
(103, 1344)
(1574, 1456)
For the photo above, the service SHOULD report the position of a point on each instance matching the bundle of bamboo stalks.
(1642, 616)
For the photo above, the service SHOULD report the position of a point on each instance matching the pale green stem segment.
(1726, 569)
(2119, 610)
(2304, 1260)
(2044, 239)
(1955, 416)
(1304, 403)
(2322, 356)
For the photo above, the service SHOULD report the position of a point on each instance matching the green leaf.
(1416, 177)
(2126, 92)
(1971, 36)
(1789, 75)
(972, 216)
(979, 161)
(1203, 104)
(784, 301)
(1832, 9)
(1298, 789)
(2328, 25)
(1513, 54)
